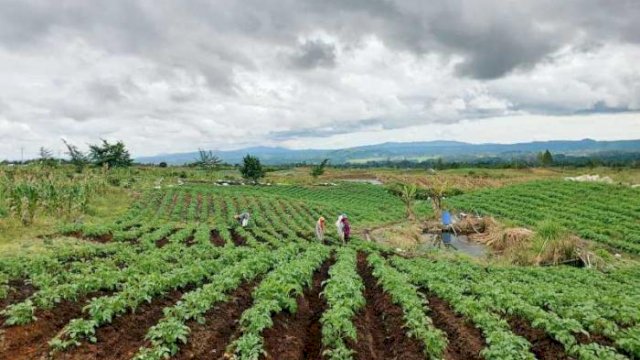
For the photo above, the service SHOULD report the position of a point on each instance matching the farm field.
(175, 276)
(600, 212)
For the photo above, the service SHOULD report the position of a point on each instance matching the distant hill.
(447, 150)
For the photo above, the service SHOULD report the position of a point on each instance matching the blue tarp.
(446, 218)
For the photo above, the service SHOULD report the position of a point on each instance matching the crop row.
(483, 295)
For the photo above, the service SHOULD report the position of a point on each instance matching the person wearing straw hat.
(320, 226)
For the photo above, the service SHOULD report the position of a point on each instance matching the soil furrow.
(101, 239)
(31, 341)
(216, 239)
(209, 340)
(237, 239)
(600, 340)
(465, 340)
(380, 325)
(542, 345)
(122, 338)
(299, 336)
(19, 290)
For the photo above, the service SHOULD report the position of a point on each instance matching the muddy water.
(452, 242)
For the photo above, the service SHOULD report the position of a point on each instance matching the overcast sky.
(172, 76)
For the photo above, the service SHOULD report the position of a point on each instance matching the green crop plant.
(344, 294)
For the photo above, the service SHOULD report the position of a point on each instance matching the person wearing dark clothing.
(346, 228)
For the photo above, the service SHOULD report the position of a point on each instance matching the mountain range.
(416, 151)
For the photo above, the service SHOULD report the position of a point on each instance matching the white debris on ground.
(590, 178)
(635, 186)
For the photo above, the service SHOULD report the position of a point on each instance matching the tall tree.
(251, 169)
(78, 158)
(110, 155)
(317, 170)
(545, 158)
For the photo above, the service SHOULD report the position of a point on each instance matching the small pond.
(450, 241)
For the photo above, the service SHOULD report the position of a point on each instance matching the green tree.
(545, 158)
(251, 169)
(318, 170)
(78, 158)
(110, 155)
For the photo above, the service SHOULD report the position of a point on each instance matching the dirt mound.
(465, 340)
(122, 338)
(209, 340)
(542, 345)
(380, 325)
(31, 341)
(299, 336)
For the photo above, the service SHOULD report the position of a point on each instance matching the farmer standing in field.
(320, 226)
(243, 218)
(346, 229)
(340, 227)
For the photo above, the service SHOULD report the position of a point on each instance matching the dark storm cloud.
(334, 128)
(315, 53)
(219, 65)
(493, 37)
(104, 91)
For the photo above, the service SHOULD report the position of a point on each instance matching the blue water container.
(446, 218)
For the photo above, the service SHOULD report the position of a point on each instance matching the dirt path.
(31, 341)
(299, 336)
(209, 340)
(465, 340)
(380, 325)
(542, 345)
(123, 337)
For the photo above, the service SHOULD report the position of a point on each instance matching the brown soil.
(594, 338)
(601, 340)
(380, 324)
(542, 345)
(216, 239)
(209, 340)
(465, 340)
(123, 337)
(162, 242)
(190, 241)
(237, 239)
(19, 290)
(31, 341)
(299, 336)
(102, 239)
